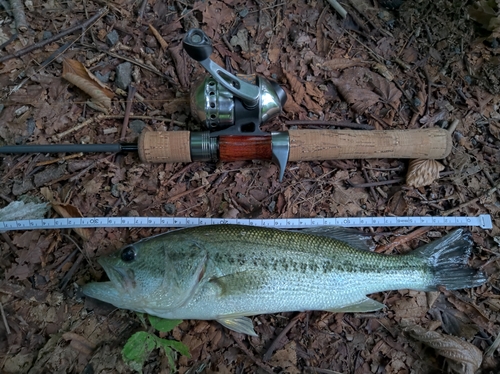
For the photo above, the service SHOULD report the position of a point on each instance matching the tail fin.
(448, 259)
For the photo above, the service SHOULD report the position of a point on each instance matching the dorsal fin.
(353, 237)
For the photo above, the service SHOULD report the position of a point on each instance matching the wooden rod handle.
(309, 145)
(243, 147)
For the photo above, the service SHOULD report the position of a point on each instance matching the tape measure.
(483, 221)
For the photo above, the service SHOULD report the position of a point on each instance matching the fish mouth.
(122, 279)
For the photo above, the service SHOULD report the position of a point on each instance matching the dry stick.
(347, 124)
(159, 38)
(128, 108)
(340, 10)
(62, 34)
(11, 39)
(7, 328)
(75, 128)
(64, 282)
(487, 193)
(6, 6)
(19, 15)
(277, 342)
(367, 178)
(375, 184)
(161, 119)
(142, 10)
(401, 240)
(250, 355)
(12, 247)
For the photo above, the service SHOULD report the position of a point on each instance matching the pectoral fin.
(238, 324)
(365, 305)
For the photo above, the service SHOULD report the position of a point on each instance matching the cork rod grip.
(309, 145)
(164, 146)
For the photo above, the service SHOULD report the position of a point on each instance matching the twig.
(6, 6)
(7, 328)
(128, 108)
(367, 178)
(429, 90)
(62, 34)
(250, 355)
(11, 39)
(144, 66)
(453, 126)
(401, 240)
(346, 124)
(277, 342)
(12, 169)
(59, 159)
(64, 282)
(340, 10)
(75, 128)
(375, 184)
(475, 200)
(19, 15)
(159, 38)
(9, 242)
(142, 10)
(161, 119)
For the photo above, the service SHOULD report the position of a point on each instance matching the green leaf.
(137, 349)
(163, 325)
(178, 346)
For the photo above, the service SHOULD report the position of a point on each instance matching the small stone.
(1, 108)
(46, 35)
(137, 126)
(272, 206)
(112, 38)
(30, 126)
(21, 187)
(244, 12)
(123, 75)
(169, 208)
(116, 189)
(103, 78)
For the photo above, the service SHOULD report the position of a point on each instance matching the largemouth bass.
(229, 272)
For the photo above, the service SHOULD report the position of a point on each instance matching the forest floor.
(426, 64)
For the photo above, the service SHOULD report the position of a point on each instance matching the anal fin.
(364, 305)
(238, 324)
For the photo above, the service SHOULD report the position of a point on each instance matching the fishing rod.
(233, 107)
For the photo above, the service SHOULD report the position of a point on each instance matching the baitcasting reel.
(228, 104)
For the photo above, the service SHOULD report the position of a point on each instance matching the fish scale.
(229, 272)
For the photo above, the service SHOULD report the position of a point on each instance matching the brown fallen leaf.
(462, 356)
(66, 211)
(79, 343)
(76, 73)
(159, 38)
(422, 172)
(341, 64)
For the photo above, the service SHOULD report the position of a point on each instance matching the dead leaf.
(159, 38)
(79, 343)
(66, 211)
(422, 172)
(298, 89)
(76, 73)
(462, 356)
(340, 64)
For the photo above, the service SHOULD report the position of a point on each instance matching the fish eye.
(128, 254)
